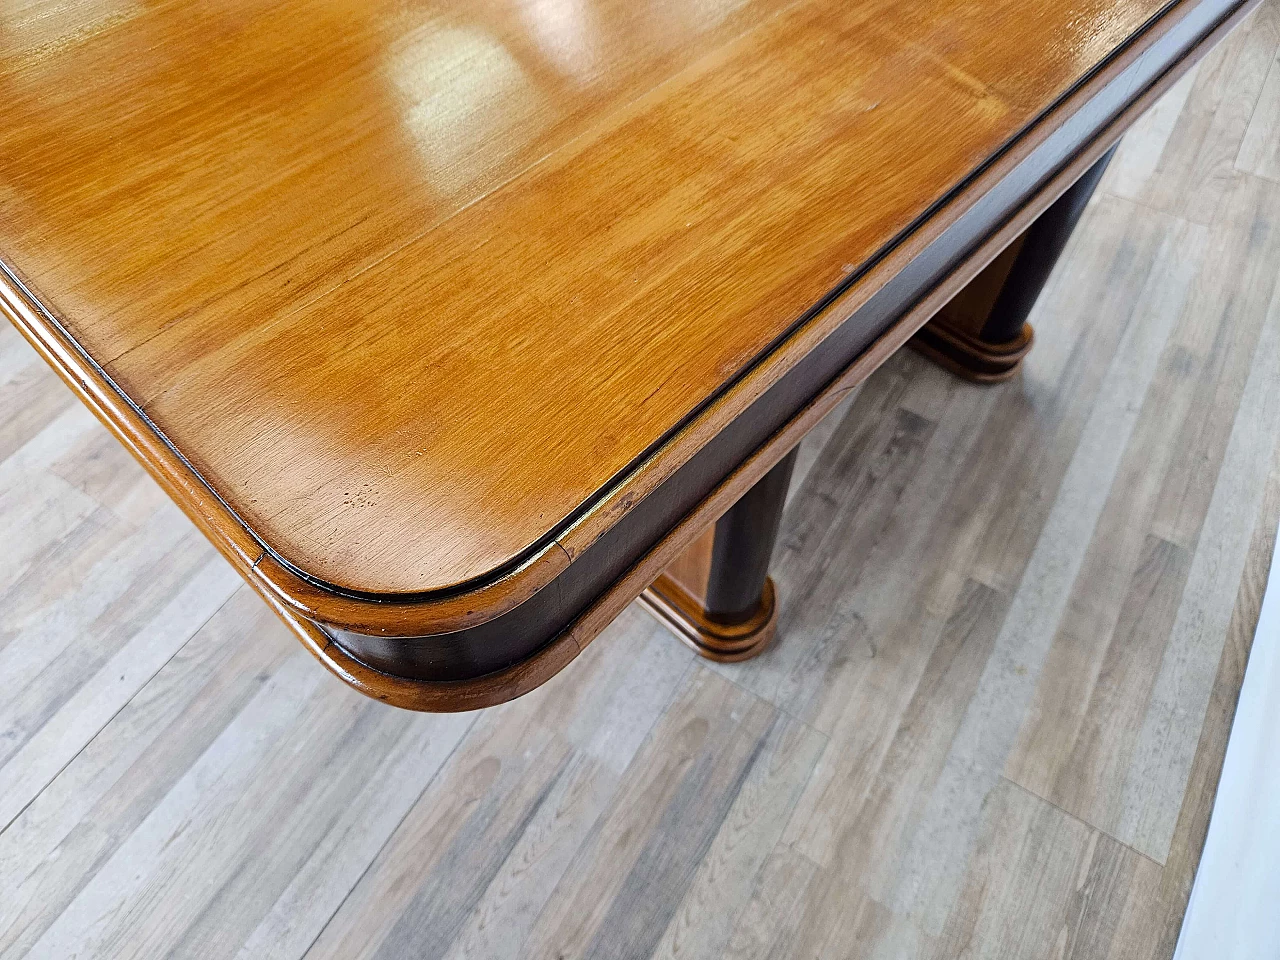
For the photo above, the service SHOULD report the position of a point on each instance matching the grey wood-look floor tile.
(1198, 160)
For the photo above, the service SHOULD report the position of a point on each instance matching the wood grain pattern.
(239, 805)
(359, 334)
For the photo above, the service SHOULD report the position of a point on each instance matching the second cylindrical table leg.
(983, 334)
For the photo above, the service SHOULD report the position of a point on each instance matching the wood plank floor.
(1015, 622)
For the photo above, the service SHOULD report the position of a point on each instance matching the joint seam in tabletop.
(35, 302)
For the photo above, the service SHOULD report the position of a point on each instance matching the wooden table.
(457, 328)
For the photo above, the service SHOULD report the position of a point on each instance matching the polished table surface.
(407, 301)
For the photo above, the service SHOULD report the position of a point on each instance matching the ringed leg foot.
(681, 613)
(971, 357)
(718, 596)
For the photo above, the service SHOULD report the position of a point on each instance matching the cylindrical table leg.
(720, 599)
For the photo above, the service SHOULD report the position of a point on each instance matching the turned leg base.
(968, 356)
(681, 613)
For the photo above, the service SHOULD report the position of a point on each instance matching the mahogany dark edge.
(1150, 72)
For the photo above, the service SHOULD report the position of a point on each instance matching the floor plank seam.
(1084, 823)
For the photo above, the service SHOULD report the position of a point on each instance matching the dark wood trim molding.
(913, 296)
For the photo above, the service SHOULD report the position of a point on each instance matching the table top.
(411, 287)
